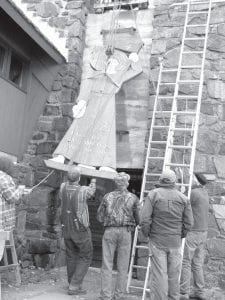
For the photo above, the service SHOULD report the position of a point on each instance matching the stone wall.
(38, 229)
(38, 233)
(168, 29)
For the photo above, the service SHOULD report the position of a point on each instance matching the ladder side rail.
(195, 135)
(132, 258)
(168, 152)
(150, 136)
(147, 276)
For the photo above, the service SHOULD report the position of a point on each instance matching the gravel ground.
(39, 284)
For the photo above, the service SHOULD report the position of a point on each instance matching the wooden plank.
(84, 171)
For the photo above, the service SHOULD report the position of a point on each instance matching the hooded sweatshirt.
(200, 208)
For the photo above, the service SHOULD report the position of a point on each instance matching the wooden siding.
(20, 110)
(12, 107)
(40, 82)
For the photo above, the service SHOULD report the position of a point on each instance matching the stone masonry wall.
(38, 235)
(210, 157)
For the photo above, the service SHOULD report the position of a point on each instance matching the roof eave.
(32, 32)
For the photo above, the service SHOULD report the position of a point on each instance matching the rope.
(43, 180)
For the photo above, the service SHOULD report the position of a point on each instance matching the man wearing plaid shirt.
(9, 195)
(119, 214)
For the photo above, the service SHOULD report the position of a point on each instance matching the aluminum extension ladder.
(175, 117)
(184, 121)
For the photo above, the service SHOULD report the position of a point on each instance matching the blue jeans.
(165, 272)
(79, 251)
(193, 260)
(115, 238)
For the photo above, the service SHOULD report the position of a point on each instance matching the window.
(13, 67)
(2, 58)
(16, 70)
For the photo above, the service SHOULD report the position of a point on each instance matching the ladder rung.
(167, 83)
(182, 129)
(163, 111)
(142, 247)
(194, 97)
(169, 70)
(179, 147)
(199, 2)
(138, 288)
(197, 12)
(165, 97)
(139, 267)
(156, 157)
(194, 39)
(153, 174)
(191, 67)
(158, 142)
(188, 113)
(188, 81)
(177, 165)
(159, 126)
(197, 25)
(192, 52)
(182, 184)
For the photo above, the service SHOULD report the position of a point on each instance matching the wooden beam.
(84, 171)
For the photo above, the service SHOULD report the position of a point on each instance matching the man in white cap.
(119, 214)
(166, 217)
(75, 228)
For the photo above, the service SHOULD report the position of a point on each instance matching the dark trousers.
(79, 250)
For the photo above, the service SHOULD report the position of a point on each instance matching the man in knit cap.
(75, 228)
(119, 214)
(166, 217)
(194, 249)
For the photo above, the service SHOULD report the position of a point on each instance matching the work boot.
(77, 291)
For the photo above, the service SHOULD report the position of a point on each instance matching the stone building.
(167, 34)
(38, 228)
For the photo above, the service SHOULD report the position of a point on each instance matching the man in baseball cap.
(166, 217)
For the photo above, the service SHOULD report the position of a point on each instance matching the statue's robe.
(91, 139)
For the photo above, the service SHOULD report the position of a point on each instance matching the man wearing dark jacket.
(193, 258)
(75, 228)
(166, 217)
